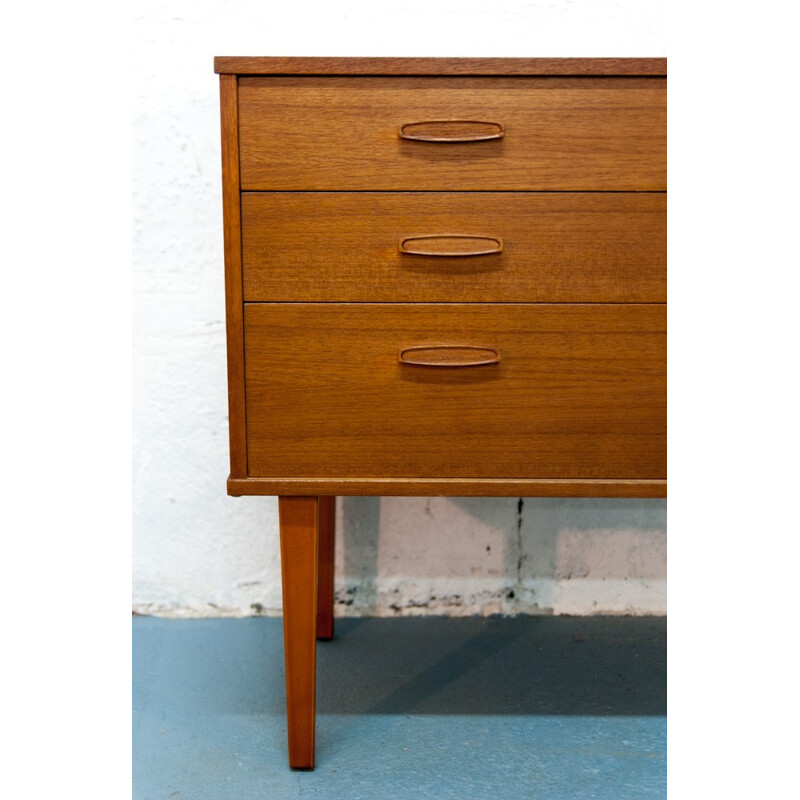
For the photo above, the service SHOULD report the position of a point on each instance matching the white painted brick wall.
(198, 552)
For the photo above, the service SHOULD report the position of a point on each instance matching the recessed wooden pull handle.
(451, 244)
(449, 355)
(452, 130)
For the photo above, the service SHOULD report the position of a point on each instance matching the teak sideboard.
(443, 277)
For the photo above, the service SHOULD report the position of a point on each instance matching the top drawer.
(344, 133)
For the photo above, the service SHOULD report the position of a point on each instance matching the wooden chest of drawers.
(443, 277)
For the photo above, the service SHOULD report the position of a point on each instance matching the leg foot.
(327, 522)
(299, 536)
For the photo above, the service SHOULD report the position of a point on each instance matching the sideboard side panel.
(232, 226)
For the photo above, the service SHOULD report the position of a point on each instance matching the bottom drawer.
(561, 391)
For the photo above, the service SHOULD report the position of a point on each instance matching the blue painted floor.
(411, 708)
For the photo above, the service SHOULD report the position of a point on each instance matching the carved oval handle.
(451, 244)
(449, 355)
(452, 130)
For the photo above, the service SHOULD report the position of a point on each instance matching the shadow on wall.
(465, 556)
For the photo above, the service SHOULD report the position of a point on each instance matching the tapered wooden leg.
(299, 541)
(327, 534)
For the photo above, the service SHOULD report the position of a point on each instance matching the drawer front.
(360, 247)
(578, 391)
(344, 133)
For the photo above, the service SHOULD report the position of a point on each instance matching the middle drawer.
(560, 247)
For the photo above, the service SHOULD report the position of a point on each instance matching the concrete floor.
(411, 708)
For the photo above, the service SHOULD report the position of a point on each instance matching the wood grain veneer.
(557, 247)
(232, 232)
(561, 134)
(244, 65)
(448, 487)
(579, 391)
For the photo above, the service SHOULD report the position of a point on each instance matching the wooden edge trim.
(245, 65)
(232, 228)
(448, 487)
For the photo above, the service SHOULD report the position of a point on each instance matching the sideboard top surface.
(243, 65)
